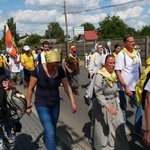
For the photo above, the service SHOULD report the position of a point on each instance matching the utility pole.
(67, 44)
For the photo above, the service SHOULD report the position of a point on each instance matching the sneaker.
(139, 133)
(127, 130)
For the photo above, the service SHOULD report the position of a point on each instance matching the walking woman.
(47, 78)
(109, 130)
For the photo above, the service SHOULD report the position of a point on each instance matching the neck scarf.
(132, 55)
(74, 57)
(115, 55)
(111, 77)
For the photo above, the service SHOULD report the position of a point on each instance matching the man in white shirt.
(46, 47)
(147, 113)
(14, 65)
(127, 68)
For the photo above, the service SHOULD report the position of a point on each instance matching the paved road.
(73, 129)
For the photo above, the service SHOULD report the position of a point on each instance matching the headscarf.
(52, 56)
(111, 77)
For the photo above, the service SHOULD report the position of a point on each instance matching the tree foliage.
(33, 40)
(54, 31)
(1, 45)
(88, 26)
(12, 26)
(145, 31)
(112, 27)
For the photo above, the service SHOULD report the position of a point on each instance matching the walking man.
(127, 68)
(28, 62)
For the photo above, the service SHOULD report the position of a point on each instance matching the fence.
(85, 47)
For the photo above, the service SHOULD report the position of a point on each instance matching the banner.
(10, 44)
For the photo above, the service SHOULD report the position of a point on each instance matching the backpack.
(16, 105)
(90, 91)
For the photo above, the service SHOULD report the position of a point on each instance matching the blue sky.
(33, 16)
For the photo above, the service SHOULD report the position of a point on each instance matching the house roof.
(90, 35)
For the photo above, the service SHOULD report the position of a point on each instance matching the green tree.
(54, 31)
(1, 45)
(88, 26)
(145, 31)
(112, 27)
(132, 31)
(33, 40)
(12, 26)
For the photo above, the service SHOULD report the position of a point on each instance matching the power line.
(93, 9)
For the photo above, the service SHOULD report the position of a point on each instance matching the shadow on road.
(26, 142)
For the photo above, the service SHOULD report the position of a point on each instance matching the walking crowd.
(114, 80)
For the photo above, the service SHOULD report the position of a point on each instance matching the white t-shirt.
(21, 67)
(14, 67)
(43, 60)
(129, 69)
(147, 86)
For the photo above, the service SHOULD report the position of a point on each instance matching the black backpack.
(12, 103)
(16, 105)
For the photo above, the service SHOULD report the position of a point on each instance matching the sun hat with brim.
(26, 48)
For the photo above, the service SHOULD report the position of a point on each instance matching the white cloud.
(29, 16)
(46, 3)
(120, 1)
(134, 12)
(136, 24)
(37, 14)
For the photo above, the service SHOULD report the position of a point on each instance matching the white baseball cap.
(26, 48)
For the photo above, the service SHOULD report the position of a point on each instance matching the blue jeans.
(124, 99)
(49, 118)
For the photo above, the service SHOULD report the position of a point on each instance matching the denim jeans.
(124, 99)
(49, 118)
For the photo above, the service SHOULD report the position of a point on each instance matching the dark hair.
(45, 43)
(117, 45)
(126, 37)
(39, 48)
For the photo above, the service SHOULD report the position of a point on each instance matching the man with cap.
(71, 65)
(28, 62)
